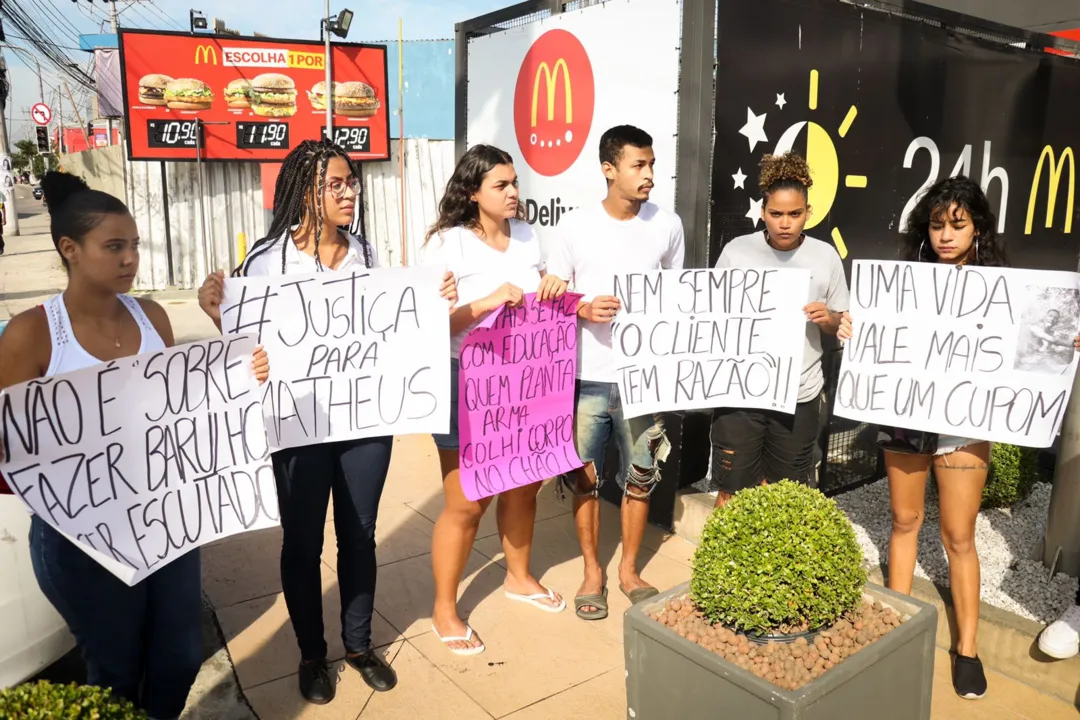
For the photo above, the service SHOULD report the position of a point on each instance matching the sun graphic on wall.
(821, 155)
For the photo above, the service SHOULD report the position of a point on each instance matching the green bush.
(780, 557)
(1013, 473)
(46, 701)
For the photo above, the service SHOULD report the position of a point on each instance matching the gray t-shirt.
(827, 284)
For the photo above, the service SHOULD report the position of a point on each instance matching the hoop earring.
(976, 248)
(922, 245)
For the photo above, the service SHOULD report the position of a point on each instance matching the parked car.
(32, 634)
(38, 193)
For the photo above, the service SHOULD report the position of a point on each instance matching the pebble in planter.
(779, 622)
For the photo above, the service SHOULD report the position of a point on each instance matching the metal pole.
(401, 139)
(11, 227)
(41, 85)
(329, 74)
(202, 195)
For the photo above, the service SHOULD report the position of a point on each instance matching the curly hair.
(784, 172)
(935, 205)
(456, 209)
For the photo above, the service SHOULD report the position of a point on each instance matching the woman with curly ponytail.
(480, 234)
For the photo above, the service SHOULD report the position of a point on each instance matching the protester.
(143, 641)
(314, 198)
(951, 223)
(750, 446)
(624, 233)
(480, 234)
(1061, 639)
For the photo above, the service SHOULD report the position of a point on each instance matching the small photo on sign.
(1049, 324)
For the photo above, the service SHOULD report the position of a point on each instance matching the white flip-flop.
(534, 600)
(458, 651)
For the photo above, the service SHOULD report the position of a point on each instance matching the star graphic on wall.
(740, 179)
(780, 101)
(754, 213)
(754, 129)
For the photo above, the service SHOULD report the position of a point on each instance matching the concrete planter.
(668, 676)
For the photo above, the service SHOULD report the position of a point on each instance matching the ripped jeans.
(641, 441)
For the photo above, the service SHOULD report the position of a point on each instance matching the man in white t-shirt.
(624, 233)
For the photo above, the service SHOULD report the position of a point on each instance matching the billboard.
(545, 92)
(256, 98)
(883, 107)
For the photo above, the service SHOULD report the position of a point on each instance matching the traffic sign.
(41, 113)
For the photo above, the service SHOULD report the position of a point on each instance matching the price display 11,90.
(262, 135)
(352, 139)
(172, 133)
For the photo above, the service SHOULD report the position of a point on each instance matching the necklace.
(114, 337)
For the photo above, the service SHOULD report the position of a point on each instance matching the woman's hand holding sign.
(448, 290)
(551, 287)
(211, 294)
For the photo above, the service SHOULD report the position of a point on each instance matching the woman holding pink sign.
(482, 238)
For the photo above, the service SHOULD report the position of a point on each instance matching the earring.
(976, 248)
(922, 245)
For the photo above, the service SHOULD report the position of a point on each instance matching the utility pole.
(114, 17)
(78, 116)
(11, 227)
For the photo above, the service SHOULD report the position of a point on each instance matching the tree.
(25, 152)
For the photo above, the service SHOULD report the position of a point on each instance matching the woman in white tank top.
(144, 641)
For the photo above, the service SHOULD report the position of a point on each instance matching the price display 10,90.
(172, 133)
(352, 139)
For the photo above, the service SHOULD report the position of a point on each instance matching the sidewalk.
(537, 666)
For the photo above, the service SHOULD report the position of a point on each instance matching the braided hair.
(302, 169)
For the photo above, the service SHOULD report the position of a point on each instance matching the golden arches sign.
(551, 80)
(1057, 166)
(203, 53)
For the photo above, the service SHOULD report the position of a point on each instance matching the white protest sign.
(983, 353)
(353, 354)
(695, 339)
(144, 458)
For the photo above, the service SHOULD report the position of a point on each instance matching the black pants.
(749, 446)
(355, 472)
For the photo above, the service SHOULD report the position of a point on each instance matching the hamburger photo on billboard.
(188, 94)
(355, 99)
(238, 93)
(152, 89)
(317, 94)
(273, 95)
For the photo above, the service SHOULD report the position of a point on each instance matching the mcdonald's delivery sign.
(553, 102)
(1056, 166)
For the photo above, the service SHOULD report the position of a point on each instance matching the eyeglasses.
(337, 188)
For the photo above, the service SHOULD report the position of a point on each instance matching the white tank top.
(69, 355)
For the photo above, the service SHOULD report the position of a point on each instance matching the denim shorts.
(449, 440)
(641, 440)
(920, 442)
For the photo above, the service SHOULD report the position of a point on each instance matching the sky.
(374, 20)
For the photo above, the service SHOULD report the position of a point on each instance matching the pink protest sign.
(516, 397)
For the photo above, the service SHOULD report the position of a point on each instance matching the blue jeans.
(145, 641)
(354, 472)
(641, 440)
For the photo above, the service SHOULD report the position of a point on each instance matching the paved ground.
(537, 665)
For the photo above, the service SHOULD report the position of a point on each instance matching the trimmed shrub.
(46, 701)
(778, 558)
(1013, 473)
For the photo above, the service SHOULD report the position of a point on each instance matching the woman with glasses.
(314, 199)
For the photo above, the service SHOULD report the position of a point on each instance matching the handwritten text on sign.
(516, 397)
(693, 339)
(144, 458)
(353, 354)
(984, 353)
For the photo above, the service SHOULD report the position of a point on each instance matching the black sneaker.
(318, 683)
(968, 677)
(379, 676)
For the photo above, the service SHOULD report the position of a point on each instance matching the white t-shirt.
(266, 259)
(591, 248)
(481, 269)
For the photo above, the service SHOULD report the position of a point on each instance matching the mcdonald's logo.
(553, 102)
(1057, 166)
(204, 53)
(551, 80)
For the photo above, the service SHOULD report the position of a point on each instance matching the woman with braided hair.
(314, 199)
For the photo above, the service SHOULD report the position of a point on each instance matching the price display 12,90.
(262, 135)
(172, 133)
(352, 139)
